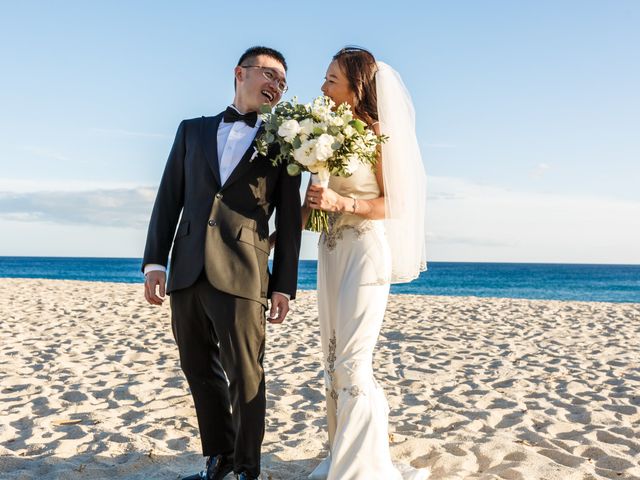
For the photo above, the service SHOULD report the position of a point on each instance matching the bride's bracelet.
(355, 206)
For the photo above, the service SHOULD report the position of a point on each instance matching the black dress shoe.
(217, 468)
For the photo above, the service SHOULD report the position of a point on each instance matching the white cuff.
(286, 295)
(152, 267)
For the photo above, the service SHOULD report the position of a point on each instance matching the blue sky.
(527, 114)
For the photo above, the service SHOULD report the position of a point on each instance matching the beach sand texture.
(478, 388)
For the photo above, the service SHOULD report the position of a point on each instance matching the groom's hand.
(279, 308)
(154, 283)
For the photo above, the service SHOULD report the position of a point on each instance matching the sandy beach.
(478, 388)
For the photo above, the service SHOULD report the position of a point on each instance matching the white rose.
(289, 129)
(323, 150)
(305, 154)
(306, 126)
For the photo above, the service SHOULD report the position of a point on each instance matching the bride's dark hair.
(359, 66)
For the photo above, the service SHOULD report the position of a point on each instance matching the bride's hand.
(321, 198)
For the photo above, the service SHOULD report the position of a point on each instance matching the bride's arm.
(330, 201)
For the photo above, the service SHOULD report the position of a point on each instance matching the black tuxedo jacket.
(224, 228)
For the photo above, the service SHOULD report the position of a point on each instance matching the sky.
(528, 114)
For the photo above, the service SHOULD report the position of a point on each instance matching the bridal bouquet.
(319, 138)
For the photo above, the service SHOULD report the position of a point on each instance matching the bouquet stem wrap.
(318, 220)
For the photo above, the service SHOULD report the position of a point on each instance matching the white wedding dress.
(354, 271)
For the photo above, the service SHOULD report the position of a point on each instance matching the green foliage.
(318, 136)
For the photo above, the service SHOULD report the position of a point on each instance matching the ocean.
(598, 283)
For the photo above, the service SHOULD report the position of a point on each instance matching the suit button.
(212, 223)
(218, 196)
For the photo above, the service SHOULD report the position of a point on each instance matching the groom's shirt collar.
(234, 139)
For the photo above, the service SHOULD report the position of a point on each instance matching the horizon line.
(315, 260)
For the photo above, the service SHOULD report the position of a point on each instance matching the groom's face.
(258, 80)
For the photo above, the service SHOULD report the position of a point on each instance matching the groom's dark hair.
(269, 52)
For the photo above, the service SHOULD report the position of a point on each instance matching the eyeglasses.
(271, 75)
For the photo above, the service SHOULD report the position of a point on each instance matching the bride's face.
(336, 85)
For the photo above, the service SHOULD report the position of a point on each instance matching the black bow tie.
(232, 115)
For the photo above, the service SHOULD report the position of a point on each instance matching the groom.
(223, 194)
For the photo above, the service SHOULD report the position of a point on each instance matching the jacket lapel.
(209, 133)
(245, 161)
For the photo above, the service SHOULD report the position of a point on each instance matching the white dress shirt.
(233, 141)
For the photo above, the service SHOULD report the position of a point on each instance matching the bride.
(376, 237)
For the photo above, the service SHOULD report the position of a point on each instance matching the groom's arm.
(167, 206)
(284, 277)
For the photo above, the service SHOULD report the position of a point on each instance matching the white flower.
(321, 109)
(306, 126)
(316, 150)
(336, 121)
(306, 154)
(353, 162)
(323, 101)
(327, 140)
(289, 129)
(322, 113)
(323, 148)
(349, 131)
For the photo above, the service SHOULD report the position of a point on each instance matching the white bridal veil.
(405, 188)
